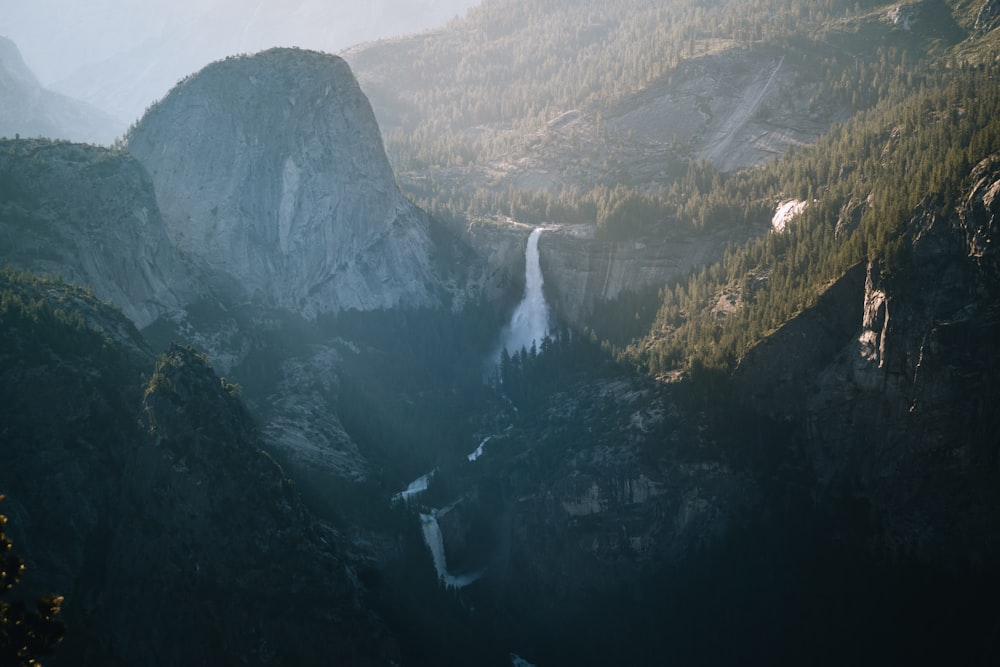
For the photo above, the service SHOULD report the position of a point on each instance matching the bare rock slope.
(271, 173)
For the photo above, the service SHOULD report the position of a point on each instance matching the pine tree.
(25, 634)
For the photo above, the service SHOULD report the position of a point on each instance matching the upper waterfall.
(530, 322)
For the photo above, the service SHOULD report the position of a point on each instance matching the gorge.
(527, 329)
(737, 399)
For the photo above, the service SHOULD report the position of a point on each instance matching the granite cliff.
(271, 176)
(583, 271)
(889, 378)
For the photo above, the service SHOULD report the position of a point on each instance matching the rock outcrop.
(896, 408)
(89, 215)
(737, 109)
(270, 173)
(300, 424)
(988, 16)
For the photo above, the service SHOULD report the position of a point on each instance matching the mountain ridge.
(31, 110)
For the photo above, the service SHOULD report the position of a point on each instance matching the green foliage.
(25, 634)
(923, 117)
(510, 66)
(481, 91)
(526, 376)
(914, 150)
(619, 213)
(56, 323)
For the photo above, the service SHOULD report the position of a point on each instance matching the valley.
(568, 333)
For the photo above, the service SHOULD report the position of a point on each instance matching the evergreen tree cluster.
(924, 104)
(26, 633)
(516, 64)
(557, 362)
(482, 89)
(862, 183)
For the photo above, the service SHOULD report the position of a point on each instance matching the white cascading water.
(474, 456)
(416, 487)
(530, 322)
(435, 542)
(529, 325)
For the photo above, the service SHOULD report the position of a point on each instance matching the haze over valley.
(549, 332)
(120, 56)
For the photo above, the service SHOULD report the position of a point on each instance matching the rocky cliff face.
(270, 172)
(581, 270)
(893, 406)
(986, 19)
(153, 510)
(590, 491)
(736, 109)
(635, 487)
(299, 422)
(89, 214)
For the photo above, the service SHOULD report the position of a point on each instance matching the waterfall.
(416, 487)
(474, 456)
(530, 322)
(435, 542)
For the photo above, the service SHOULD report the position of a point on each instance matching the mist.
(120, 56)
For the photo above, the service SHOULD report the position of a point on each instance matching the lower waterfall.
(434, 541)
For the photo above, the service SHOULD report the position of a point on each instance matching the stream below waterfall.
(432, 530)
(529, 325)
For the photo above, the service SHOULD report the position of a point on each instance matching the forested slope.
(899, 100)
(862, 184)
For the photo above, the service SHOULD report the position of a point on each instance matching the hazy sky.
(121, 55)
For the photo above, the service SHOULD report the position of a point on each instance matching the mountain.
(92, 216)
(89, 214)
(734, 83)
(120, 57)
(28, 109)
(149, 504)
(759, 429)
(894, 380)
(290, 199)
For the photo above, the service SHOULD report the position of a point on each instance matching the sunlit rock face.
(270, 172)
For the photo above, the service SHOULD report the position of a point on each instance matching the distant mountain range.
(29, 109)
(120, 57)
